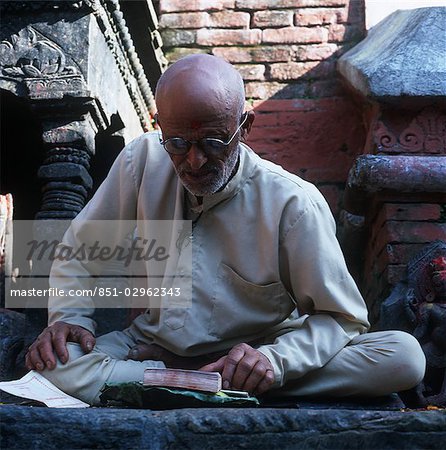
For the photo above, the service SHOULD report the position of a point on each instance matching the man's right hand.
(54, 339)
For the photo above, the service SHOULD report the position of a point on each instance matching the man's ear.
(156, 119)
(246, 128)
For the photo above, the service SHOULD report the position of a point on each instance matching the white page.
(36, 387)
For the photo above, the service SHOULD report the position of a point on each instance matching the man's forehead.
(195, 111)
(195, 121)
(195, 124)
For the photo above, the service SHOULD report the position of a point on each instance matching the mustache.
(207, 168)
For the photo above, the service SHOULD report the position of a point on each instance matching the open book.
(35, 387)
(185, 379)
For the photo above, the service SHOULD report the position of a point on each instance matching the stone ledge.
(403, 55)
(398, 173)
(44, 428)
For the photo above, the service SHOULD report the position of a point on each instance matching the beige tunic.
(267, 267)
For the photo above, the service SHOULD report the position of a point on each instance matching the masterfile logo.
(106, 264)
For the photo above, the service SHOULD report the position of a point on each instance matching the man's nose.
(196, 157)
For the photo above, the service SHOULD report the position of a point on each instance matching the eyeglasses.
(213, 146)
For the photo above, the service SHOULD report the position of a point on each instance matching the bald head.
(201, 81)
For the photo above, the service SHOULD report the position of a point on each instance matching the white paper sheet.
(36, 387)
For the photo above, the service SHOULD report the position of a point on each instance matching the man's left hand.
(244, 368)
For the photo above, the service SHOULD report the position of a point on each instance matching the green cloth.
(137, 395)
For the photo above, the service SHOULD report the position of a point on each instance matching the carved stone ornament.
(417, 305)
(425, 134)
(38, 5)
(29, 54)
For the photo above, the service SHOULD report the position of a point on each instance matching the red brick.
(286, 91)
(228, 37)
(178, 38)
(295, 35)
(222, 19)
(297, 139)
(302, 105)
(194, 5)
(264, 4)
(291, 70)
(234, 54)
(272, 54)
(320, 16)
(326, 88)
(184, 20)
(266, 90)
(332, 194)
(272, 19)
(389, 213)
(275, 53)
(315, 52)
(410, 232)
(180, 52)
(229, 19)
(294, 70)
(278, 4)
(266, 119)
(322, 3)
(408, 212)
(342, 33)
(252, 71)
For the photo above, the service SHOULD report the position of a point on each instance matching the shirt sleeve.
(114, 200)
(330, 308)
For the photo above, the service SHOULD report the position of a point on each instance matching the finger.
(60, 343)
(36, 362)
(266, 382)
(82, 337)
(255, 377)
(216, 366)
(144, 352)
(231, 362)
(244, 369)
(28, 363)
(87, 341)
(46, 351)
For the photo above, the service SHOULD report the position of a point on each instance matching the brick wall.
(286, 51)
(400, 228)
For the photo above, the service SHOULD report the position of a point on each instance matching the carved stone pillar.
(398, 186)
(77, 65)
(65, 170)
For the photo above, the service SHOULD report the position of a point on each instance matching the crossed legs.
(372, 364)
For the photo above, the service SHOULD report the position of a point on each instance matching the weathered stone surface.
(410, 174)
(403, 55)
(12, 331)
(221, 429)
(416, 306)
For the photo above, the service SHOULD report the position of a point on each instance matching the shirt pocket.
(241, 308)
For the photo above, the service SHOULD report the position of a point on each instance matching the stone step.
(25, 427)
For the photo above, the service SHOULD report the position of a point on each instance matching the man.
(273, 306)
